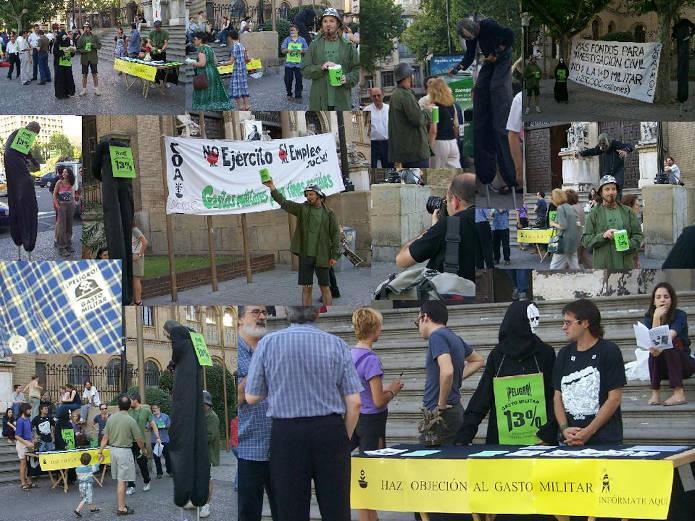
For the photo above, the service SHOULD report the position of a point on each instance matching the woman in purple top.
(370, 433)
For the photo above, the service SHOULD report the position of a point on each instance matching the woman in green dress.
(214, 98)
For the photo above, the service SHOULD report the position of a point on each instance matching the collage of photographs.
(332, 260)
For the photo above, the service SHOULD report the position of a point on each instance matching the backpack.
(427, 284)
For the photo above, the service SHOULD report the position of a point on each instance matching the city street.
(114, 99)
(45, 504)
(44, 241)
(586, 104)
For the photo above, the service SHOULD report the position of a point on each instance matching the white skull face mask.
(533, 316)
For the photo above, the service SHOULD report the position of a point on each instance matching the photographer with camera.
(431, 244)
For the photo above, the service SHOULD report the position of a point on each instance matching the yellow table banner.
(534, 236)
(616, 488)
(139, 70)
(69, 459)
(250, 66)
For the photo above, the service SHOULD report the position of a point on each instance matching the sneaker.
(78, 514)
(130, 491)
(83, 93)
(205, 510)
(538, 109)
(146, 488)
(189, 506)
(97, 91)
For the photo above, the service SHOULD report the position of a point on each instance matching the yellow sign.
(528, 235)
(250, 66)
(139, 70)
(69, 459)
(575, 487)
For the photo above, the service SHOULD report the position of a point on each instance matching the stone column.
(6, 367)
(147, 8)
(648, 153)
(665, 216)
(578, 173)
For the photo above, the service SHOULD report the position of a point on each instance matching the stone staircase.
(403, 351)
(9, 467)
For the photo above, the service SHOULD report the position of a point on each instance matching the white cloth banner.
(623, 68)
(217, 177)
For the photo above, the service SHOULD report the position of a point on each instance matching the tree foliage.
(381, 22)
(61, 143)
(12, 15)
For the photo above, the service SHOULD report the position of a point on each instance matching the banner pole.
(244, 224)
(208, 221)
(220, 315)
(169, 225)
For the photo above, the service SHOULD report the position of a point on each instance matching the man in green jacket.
(316, 241)
(408, 143)
(87, 46)
(604, 227)
(328, 50)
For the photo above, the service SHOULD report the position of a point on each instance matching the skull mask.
(533, 316)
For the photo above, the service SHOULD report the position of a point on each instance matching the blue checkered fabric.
(34, 304)
(238, 84)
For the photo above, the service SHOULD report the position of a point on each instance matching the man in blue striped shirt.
(312, 391)
(254, 424)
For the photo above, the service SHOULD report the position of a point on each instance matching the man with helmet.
(326, 51)
(606, 224)
(316, 240)
(612, 156)
(88, 45)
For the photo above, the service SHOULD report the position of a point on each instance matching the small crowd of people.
(307, 400)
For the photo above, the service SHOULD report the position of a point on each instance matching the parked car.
(42, 180)
(4, 215)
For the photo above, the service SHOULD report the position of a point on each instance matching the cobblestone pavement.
(586, 104)
(277, 287)
(114, 99)
(268, 93)
(46, 504)
(44, 249)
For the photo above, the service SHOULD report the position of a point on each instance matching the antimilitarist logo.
(363, 479)
(87, 291)
(606, 483)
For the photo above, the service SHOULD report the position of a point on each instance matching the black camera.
(434, 202)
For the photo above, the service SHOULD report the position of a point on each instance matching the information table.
(227, 68)
(62, 461)
(146, 71)
(622, 482)
(535, 236)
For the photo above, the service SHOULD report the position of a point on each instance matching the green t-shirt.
(88, 41)
(213, 425)
(158, 38)
(332, 54)
(614, 219)
(312, 243)
(142, 416)
(122, 430)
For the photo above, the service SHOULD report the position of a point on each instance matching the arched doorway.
(640, 33)
(611, 27)
(152, 373)
(595, 28)
(80, 369)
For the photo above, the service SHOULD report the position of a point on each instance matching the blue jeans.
(35, 57)
(223, 36)
(46, 446)
(296, 74)
(69, 406)
(380, 151)
(44, 71)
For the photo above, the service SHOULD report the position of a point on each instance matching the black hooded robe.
(682, 32)
(682, 255)
(188, 447)
(64, 83)
(518, 346)
(560, 90)
(119, 209)
(21, 196)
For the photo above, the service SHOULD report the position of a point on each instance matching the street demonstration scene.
(614, 59)
(40, 187)
(443, 95)
(90, 57)
(100, 429)
(274, 56)
(454, 412)
(273, 204)
(607, 195)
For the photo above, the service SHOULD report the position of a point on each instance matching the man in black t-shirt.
(431, 244)
(44, 427)
(588, 378)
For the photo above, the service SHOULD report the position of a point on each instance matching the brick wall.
(538, 175)
(678, 142)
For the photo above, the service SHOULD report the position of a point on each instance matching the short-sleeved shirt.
(444, 341)
(432, 245)
(122, 430)
(101, 422)
(42, 425)
(379, 120)
(301, 41)
(254, 423)
(368, 366)
(303, 371)
(332, 54)
(142, 416)
(136, 240)
(212, 422)
(500, 220)
(163, 422)
(584, 378)
(24, 428)
(158, 38)
(313, 230)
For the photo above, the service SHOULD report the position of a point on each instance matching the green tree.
(19, 14)
(381, 22)
(667, 12)
(38, 153)
(564, 18)
(61, 143)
